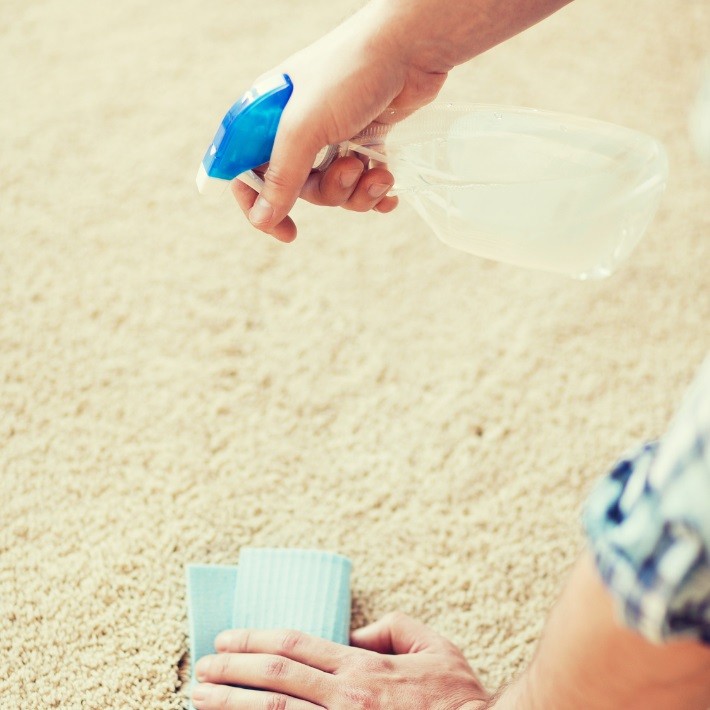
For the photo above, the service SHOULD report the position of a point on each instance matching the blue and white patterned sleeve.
(648, 525)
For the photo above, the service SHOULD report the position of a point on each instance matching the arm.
(587, 660)
(390, 54)
(648, 524)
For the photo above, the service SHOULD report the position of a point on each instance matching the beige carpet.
(174, 385)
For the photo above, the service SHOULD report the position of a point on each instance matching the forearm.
(439, 35)
(587, 660)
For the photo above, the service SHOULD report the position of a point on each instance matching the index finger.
(309, 650)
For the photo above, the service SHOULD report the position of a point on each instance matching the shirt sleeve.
(648, 525)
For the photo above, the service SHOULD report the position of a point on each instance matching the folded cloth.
(210, 597)
(306, 590)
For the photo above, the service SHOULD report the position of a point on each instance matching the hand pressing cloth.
(305, 590)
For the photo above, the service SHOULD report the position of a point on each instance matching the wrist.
(518, 695)
(507, 697)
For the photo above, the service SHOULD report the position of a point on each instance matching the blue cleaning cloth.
(210, 597)
(307, 590)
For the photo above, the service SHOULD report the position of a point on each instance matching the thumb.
(290, 164)
(395, 633)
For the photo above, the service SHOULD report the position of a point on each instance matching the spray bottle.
(533, 188)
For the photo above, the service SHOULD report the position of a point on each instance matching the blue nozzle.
(245, 137)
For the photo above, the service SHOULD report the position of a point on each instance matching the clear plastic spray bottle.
(533, 188)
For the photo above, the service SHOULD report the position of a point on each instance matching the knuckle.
(275, 701)
(360, 698)
(372, 664)
(385, 664)
(276, 668)
(279, 178)
(239, 642)
(225, 661)
(283, 183)
(290, 641)
(227, 700)
(331, 198)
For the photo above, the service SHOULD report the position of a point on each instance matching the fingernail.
(261, 212)
(202, 668)
(201, 693)
(349, 177)
(221, 643)
(378, 189)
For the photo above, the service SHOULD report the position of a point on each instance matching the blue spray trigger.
(245, 138)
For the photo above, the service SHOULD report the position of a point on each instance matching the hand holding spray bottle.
(533, 188)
